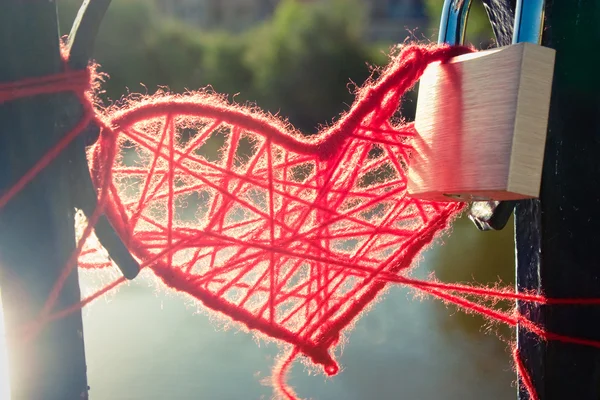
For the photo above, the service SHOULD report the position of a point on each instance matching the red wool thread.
(79, 82)
(289, 236)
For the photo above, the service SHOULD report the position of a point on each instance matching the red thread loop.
(75, 81)
(80, 82)
(524, 375)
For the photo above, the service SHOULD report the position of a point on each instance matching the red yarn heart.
(289, 235)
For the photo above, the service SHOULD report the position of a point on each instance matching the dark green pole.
(36, 227)
(558, 236)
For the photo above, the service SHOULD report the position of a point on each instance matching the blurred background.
(301, 59)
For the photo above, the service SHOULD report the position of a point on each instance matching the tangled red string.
(289, 236)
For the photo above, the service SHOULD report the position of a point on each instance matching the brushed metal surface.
(482, 121)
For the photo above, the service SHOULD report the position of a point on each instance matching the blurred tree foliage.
(479, 30)
(303, 63)
(298, 64)
(303, 60)
(122, 45)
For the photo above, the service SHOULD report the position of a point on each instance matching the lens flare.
(4, 384)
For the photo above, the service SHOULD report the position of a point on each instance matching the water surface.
(144, 343)
(148, 345)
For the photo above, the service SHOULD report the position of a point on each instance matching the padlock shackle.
(529, 21)
(454, 21)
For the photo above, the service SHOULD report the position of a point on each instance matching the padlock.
(482, 121)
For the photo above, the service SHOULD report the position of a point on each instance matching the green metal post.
(36, 227)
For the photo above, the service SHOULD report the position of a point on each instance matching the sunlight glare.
(4, 384)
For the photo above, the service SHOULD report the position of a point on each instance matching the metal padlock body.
(482, 120)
